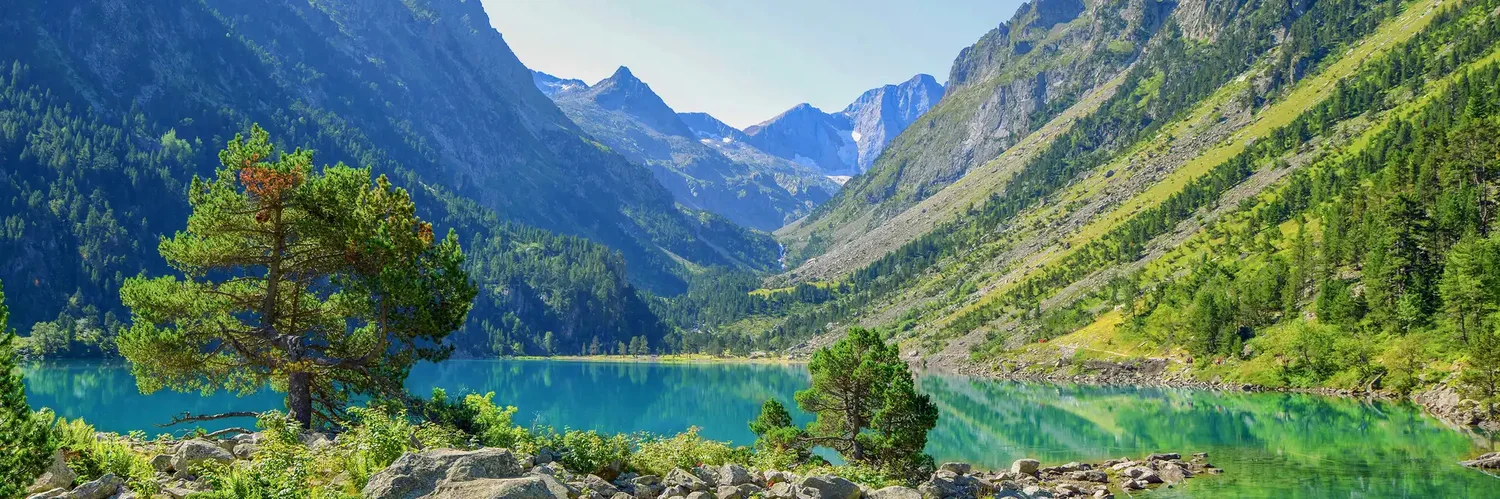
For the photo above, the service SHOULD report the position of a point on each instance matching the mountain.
(846, 143)
(747, 187)
(1010, 83)
(551, 85)
(110, 111)
(1241, 192)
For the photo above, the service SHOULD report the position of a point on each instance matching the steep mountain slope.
(1141, 175)
(110, 110)
(1007, 85)
(757, 191)
(847, 142)
(551, 85)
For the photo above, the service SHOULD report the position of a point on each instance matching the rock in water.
(1172, 473)
(417, 474)
(831, 487)
(530, 487)
(1025, 466)
(196, 452)
(57, 476)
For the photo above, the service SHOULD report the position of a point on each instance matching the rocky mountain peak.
(624, 92)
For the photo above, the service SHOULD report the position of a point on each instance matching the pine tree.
(25, 442)
(867, 405)
(1467, 286)
(317, 282)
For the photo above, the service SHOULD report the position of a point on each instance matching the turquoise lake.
(1270, 445)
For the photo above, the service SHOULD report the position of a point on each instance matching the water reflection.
(1274, 445)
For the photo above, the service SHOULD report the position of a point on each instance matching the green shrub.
(282, 468)
(374, 440)
(583, 451)
(657, 455)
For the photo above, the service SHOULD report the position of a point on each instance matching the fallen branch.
(189, 418)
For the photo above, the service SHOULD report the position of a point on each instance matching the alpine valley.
(1179, 196)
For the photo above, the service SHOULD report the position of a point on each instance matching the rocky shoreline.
(501, 474)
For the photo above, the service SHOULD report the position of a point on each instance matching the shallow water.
(1271, 445)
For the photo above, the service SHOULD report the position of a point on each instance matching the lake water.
(1271, 445)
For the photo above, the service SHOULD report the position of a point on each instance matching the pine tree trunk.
(299, 398)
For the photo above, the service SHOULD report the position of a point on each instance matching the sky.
(745, 61)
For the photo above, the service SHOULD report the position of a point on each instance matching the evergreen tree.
(25, 442)
(776, 432)
(867, 405)
(315, 281)
(1467, 286)
(1480, 379)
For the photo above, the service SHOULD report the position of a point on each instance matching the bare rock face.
(418, 474)
(104, 487)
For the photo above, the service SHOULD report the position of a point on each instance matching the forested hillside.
(108, 111)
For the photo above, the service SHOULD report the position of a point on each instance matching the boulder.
(782, 490)
(1484, 461)
(1025, 466)
(686, 480)
(1142, 473)
(1073, 466)
(734, 474)
(710, 476)
(1165, 456)
(600, 485)
(1173, 473)
(245, 450)
(198, 452)
(315, 440)
(416, 474)
(701, 495)
(621, 495)
(53, 493)
(162, 463)
(730, 492)
(102, 488)
(947, 484)
(896, 492)
(1087, 476)
(527, 487)
(828, 487)
(57, 475)
(959, 468)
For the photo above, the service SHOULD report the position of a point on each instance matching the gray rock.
(315, 440)
(646, 487)
(198, 452)
(959, 468)
(689, 481)
(730, 492)
(162, 463)
(621, 495)
(896, 492)
(102, 488)
(947, 484)
(734, 474)
(1142, 473)
(701, 495)
(1025, 466)
(125, 493)
(245, 450)
(49, 494)
(1087, 476)
(1073, 466)
(417, 474)
(675, 491)
(710, 476)
(1165, 456)
(828, 487)
(782, 490)
(528, 487)
(57, 475)
(600, 485)
(1173, 473)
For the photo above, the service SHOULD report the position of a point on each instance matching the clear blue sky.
(746, 60)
